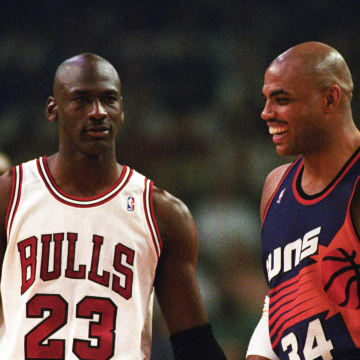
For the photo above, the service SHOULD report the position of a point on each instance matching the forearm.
(260, 346)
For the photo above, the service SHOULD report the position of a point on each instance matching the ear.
(122, 113)
(332, 97)
(51, 109)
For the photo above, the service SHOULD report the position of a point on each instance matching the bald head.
(322, 63)
(83, 67)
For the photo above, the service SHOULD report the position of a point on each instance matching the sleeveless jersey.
(78, 273)
(311, 257)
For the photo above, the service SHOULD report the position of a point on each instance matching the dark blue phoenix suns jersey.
(311, 258)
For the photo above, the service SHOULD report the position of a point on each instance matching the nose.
(97, 111)
(268, 112)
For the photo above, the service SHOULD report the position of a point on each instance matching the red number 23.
(102, 330)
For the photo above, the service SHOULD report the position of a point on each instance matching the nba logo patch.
(130, 204)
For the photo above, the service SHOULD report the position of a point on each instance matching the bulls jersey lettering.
(90, 271)
(85, 269)
(311, 258)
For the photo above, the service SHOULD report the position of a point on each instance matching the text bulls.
(120, 280)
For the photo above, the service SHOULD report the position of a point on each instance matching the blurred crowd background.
(192, 73)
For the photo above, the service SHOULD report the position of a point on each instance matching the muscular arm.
(260, 346)
(5, 195)
(176, 286)
(270, 185)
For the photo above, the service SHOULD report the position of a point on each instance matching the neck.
(321, 167)
(84, 175)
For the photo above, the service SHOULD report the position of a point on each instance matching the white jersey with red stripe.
(78, 273)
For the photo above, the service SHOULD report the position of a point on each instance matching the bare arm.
(5, 195)
(260, 345)
(175, 284)
(270, 185)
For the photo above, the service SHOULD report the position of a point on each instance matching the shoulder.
(165, 201)
(271, 182)
(173, 217)
(5, 196)
(169, 209)
(6, 185)
(5, 192)
(273, 178)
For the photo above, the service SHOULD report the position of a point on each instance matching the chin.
(97, 150)
(285, 152)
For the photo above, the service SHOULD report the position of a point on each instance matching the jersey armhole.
(17, 177)
(349, 214)
(150, 216)
(277, 189)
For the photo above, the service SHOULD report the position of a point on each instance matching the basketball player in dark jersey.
(310, 211)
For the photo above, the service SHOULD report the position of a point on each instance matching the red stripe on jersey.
(97, 200)
(15, 196)
(152, 212)
(355, 235)
(11, 197)
(149, 216)
(277, 189)
(317, 199)
(289, 306)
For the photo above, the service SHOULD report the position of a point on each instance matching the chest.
(296, 225)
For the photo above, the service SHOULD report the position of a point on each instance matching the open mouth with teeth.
(278, 133)
(277, 130)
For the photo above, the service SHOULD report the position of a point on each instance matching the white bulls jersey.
(78, 273)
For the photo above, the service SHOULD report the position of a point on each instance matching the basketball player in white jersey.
(84, 240)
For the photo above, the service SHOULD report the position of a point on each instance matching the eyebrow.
(86, 92)
(79, 92)
(279, 92)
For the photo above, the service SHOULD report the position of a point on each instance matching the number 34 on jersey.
(316, 345)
